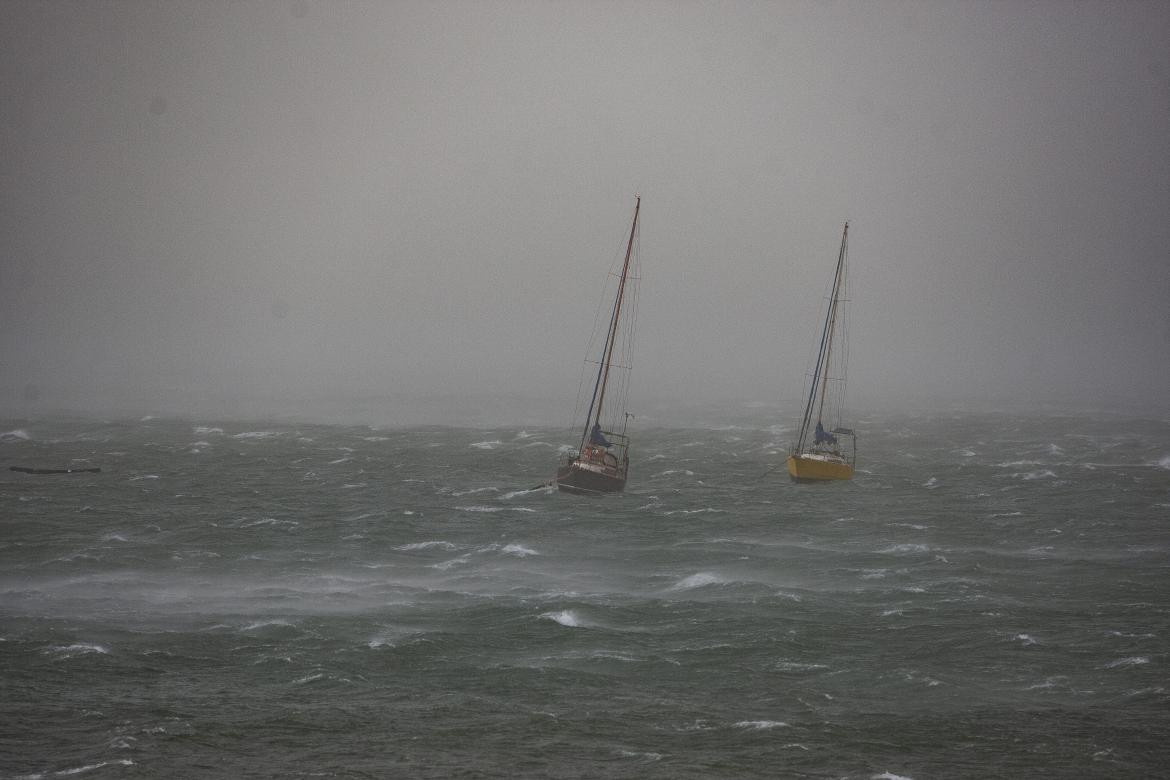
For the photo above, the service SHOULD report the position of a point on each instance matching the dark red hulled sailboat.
(601, 462)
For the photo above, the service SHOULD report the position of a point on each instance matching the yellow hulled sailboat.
(818, 454)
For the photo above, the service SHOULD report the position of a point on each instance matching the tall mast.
(826, 340)
(833, 321)
(611, 334)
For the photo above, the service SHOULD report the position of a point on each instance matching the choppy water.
(990, 597)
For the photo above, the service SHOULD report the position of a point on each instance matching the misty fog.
(277, 207)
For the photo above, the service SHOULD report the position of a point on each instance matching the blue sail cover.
(597, 437)
(822, 436)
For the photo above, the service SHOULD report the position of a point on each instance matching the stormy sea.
(988, 598)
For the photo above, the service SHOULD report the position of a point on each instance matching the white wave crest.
(545, 487)
(203, 430)
(265, 624)
(486, 445)
(1164, 462)
(761, 725)
(699, 580)
(89, 768)
(889, 776)
(566, 617)
(519, 550)
(1121, 663)
(80, 648)
(19, 434)
(796, 666)
(273, 521)
(256, 435)
(646, 756)
(905, 548)
(426, 546)
(444, 565)
(611, 655)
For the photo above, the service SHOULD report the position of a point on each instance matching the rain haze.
(300, 207)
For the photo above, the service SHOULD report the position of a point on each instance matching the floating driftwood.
(27, 470)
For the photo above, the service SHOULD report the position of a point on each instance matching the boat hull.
(814, 468)
(584, 479)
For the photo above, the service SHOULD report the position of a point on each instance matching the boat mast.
(611, 335)
(833, 321)
(826, 340)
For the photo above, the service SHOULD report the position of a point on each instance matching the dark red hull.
(578, 478)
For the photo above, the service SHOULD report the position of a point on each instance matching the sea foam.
(475, 490)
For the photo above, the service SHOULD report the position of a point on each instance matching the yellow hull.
(813, 468)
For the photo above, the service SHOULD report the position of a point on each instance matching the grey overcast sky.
(213, 200)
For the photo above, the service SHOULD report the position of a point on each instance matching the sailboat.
(602, 459)
(818, 454)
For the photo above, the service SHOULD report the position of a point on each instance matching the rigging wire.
(590, 347)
